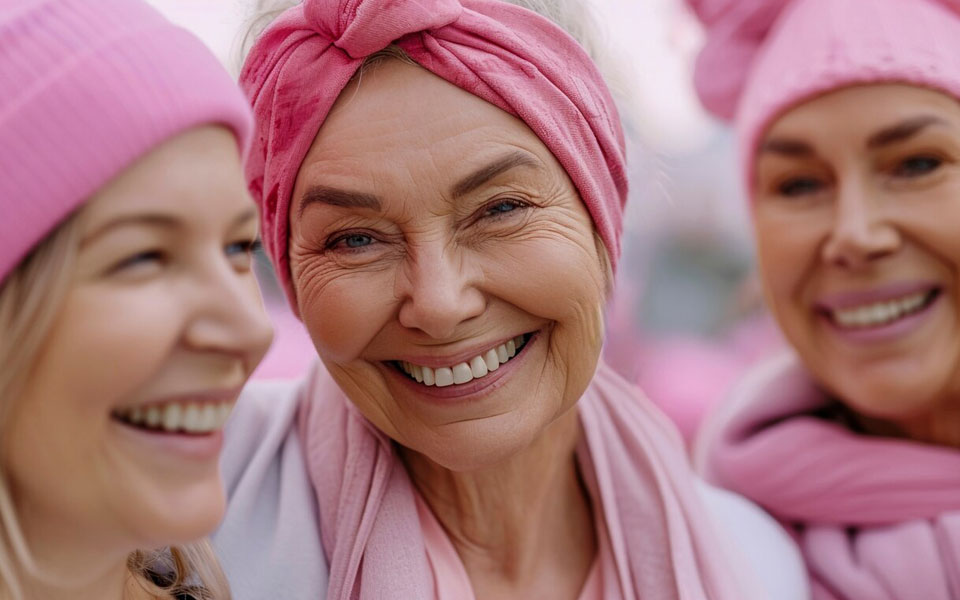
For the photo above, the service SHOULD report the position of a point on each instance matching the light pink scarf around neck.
(660, 537)
(877, 518)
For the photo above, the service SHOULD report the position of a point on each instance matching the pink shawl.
(504, 54)
(876, 518)
(661, 540)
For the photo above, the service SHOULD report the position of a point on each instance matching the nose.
(228, 315)
(861, 232)
(438, 288)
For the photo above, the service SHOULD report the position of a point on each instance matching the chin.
(481, 443)
(181, 516)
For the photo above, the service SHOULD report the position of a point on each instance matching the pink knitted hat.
(763, 57)
(509, 56)
(87, 87)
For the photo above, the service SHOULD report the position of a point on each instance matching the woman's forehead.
(398, 106)
(857, 114)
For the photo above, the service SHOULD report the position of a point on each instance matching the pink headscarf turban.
(506, 55)
(763, 57)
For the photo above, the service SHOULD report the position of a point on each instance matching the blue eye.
(502, 207)
(351, 241)
(793, 188)
(139, 259)
(243, 247)
(917, 166)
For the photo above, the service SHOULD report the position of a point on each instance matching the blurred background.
(687, 318)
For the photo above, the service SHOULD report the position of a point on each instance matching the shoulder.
(269, 540)
(763, 546)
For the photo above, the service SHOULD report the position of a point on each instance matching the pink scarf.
(660, 538)
(876, 518)
(509, 56)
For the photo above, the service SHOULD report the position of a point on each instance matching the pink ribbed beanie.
(763, 57)
(87, 87)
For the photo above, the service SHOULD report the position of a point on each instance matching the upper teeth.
(879, 313)
(460, 373)
(192, 418)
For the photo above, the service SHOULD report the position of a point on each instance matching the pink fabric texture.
(876, 518)
(506, 55)
(88, 86)
(763, 57)
(661, 542)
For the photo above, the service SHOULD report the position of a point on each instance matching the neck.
(939, 427)
(523, 528)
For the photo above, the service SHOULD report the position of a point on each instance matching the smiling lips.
(467, 371)
(880, 313)
(175, 417)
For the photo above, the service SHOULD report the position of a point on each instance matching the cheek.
(102, 349)
(108, 343)
(560, 279)
(342, 311)
(784, 255)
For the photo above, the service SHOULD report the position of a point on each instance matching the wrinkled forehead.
(397, 116)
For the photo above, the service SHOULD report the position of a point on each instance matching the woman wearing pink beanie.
(848, 120)
(129, 315)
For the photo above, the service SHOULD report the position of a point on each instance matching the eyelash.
(900, 168)
(243, 247)
(138, 259)
(489, 211)
(336, 242)
(783, 187)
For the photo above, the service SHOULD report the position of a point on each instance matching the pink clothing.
(509, 56)
(661, 541)
(876, 518)
(763, 57)
(87, 87)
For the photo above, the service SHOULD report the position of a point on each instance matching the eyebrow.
(902, 131)
(486, 173)
(321, 194)
(787, 147)
(156, 220)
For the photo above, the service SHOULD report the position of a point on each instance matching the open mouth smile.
(881, 314)
(464, 372)
(176, 417)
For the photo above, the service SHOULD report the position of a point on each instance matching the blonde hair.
(30, 300)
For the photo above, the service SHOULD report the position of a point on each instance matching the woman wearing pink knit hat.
(129, 315)
(848, 120)
(441, 185)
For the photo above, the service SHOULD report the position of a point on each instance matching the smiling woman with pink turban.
(849, 127)
(442, 187)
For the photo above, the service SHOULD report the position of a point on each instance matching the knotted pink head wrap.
(506, 55)
(763, 57)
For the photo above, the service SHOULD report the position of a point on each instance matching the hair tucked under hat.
(764, 56)
(511, 57)
(86, 88)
